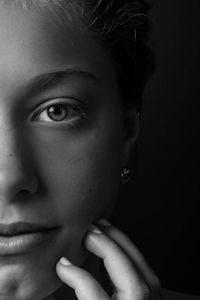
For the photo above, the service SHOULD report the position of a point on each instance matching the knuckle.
(146, 292)
(155, 288)
(156, 283)
(142, 292)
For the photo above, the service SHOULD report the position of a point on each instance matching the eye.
(60, 112)
(57, 112)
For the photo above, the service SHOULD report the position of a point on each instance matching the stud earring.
(125, 175)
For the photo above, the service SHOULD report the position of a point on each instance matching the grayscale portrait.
(99, 125)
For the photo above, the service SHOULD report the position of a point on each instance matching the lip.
(22, 227)
(21, 237)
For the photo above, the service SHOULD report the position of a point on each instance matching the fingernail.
(65, 261)
(94, 229)
(104, 222)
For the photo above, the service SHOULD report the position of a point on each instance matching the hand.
(130, 275)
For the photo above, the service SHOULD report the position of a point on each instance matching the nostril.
(25, 192)
(22, 195)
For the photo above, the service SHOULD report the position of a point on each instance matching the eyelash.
(78, 113)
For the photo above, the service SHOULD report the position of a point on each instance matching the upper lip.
(22, 227)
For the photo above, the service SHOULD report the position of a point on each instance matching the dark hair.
(124, 25)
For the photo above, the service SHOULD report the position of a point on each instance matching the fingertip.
(104, 223)
(91, 237)
(92, 234)
(94, 229)
(65, 262)
(62, 269)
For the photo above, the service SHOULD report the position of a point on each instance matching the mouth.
(21, 237)
(18, 228)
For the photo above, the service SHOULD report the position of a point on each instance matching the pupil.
(57, 112)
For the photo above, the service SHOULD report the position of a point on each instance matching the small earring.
(125, 175)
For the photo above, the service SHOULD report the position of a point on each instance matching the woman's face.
(59, 165)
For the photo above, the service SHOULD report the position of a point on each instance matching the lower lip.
(24, 243)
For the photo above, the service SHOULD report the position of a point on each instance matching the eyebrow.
(52, 78)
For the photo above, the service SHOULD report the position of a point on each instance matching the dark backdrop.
(160, 207)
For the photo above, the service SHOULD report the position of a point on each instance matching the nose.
(16, 175)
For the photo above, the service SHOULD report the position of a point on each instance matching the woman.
(71, 79)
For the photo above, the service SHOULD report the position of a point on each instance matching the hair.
(123, 28)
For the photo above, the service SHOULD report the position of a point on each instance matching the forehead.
(32, 42)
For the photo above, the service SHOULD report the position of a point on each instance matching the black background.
(159, 207)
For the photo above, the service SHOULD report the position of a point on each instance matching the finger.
(84, 284)
(132, 251)
(124, 276)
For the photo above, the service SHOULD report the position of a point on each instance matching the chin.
(18, 282)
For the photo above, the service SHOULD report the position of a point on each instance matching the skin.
(63, 173)
(129, 273)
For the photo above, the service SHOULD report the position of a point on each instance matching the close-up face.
(61, 143)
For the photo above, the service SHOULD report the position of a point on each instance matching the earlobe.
(131, 133)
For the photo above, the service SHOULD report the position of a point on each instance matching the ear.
(131, 133)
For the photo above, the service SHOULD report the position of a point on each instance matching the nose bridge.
(14, 168)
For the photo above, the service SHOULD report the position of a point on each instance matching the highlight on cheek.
(60, 113)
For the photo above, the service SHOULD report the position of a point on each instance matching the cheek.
(80, 174)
